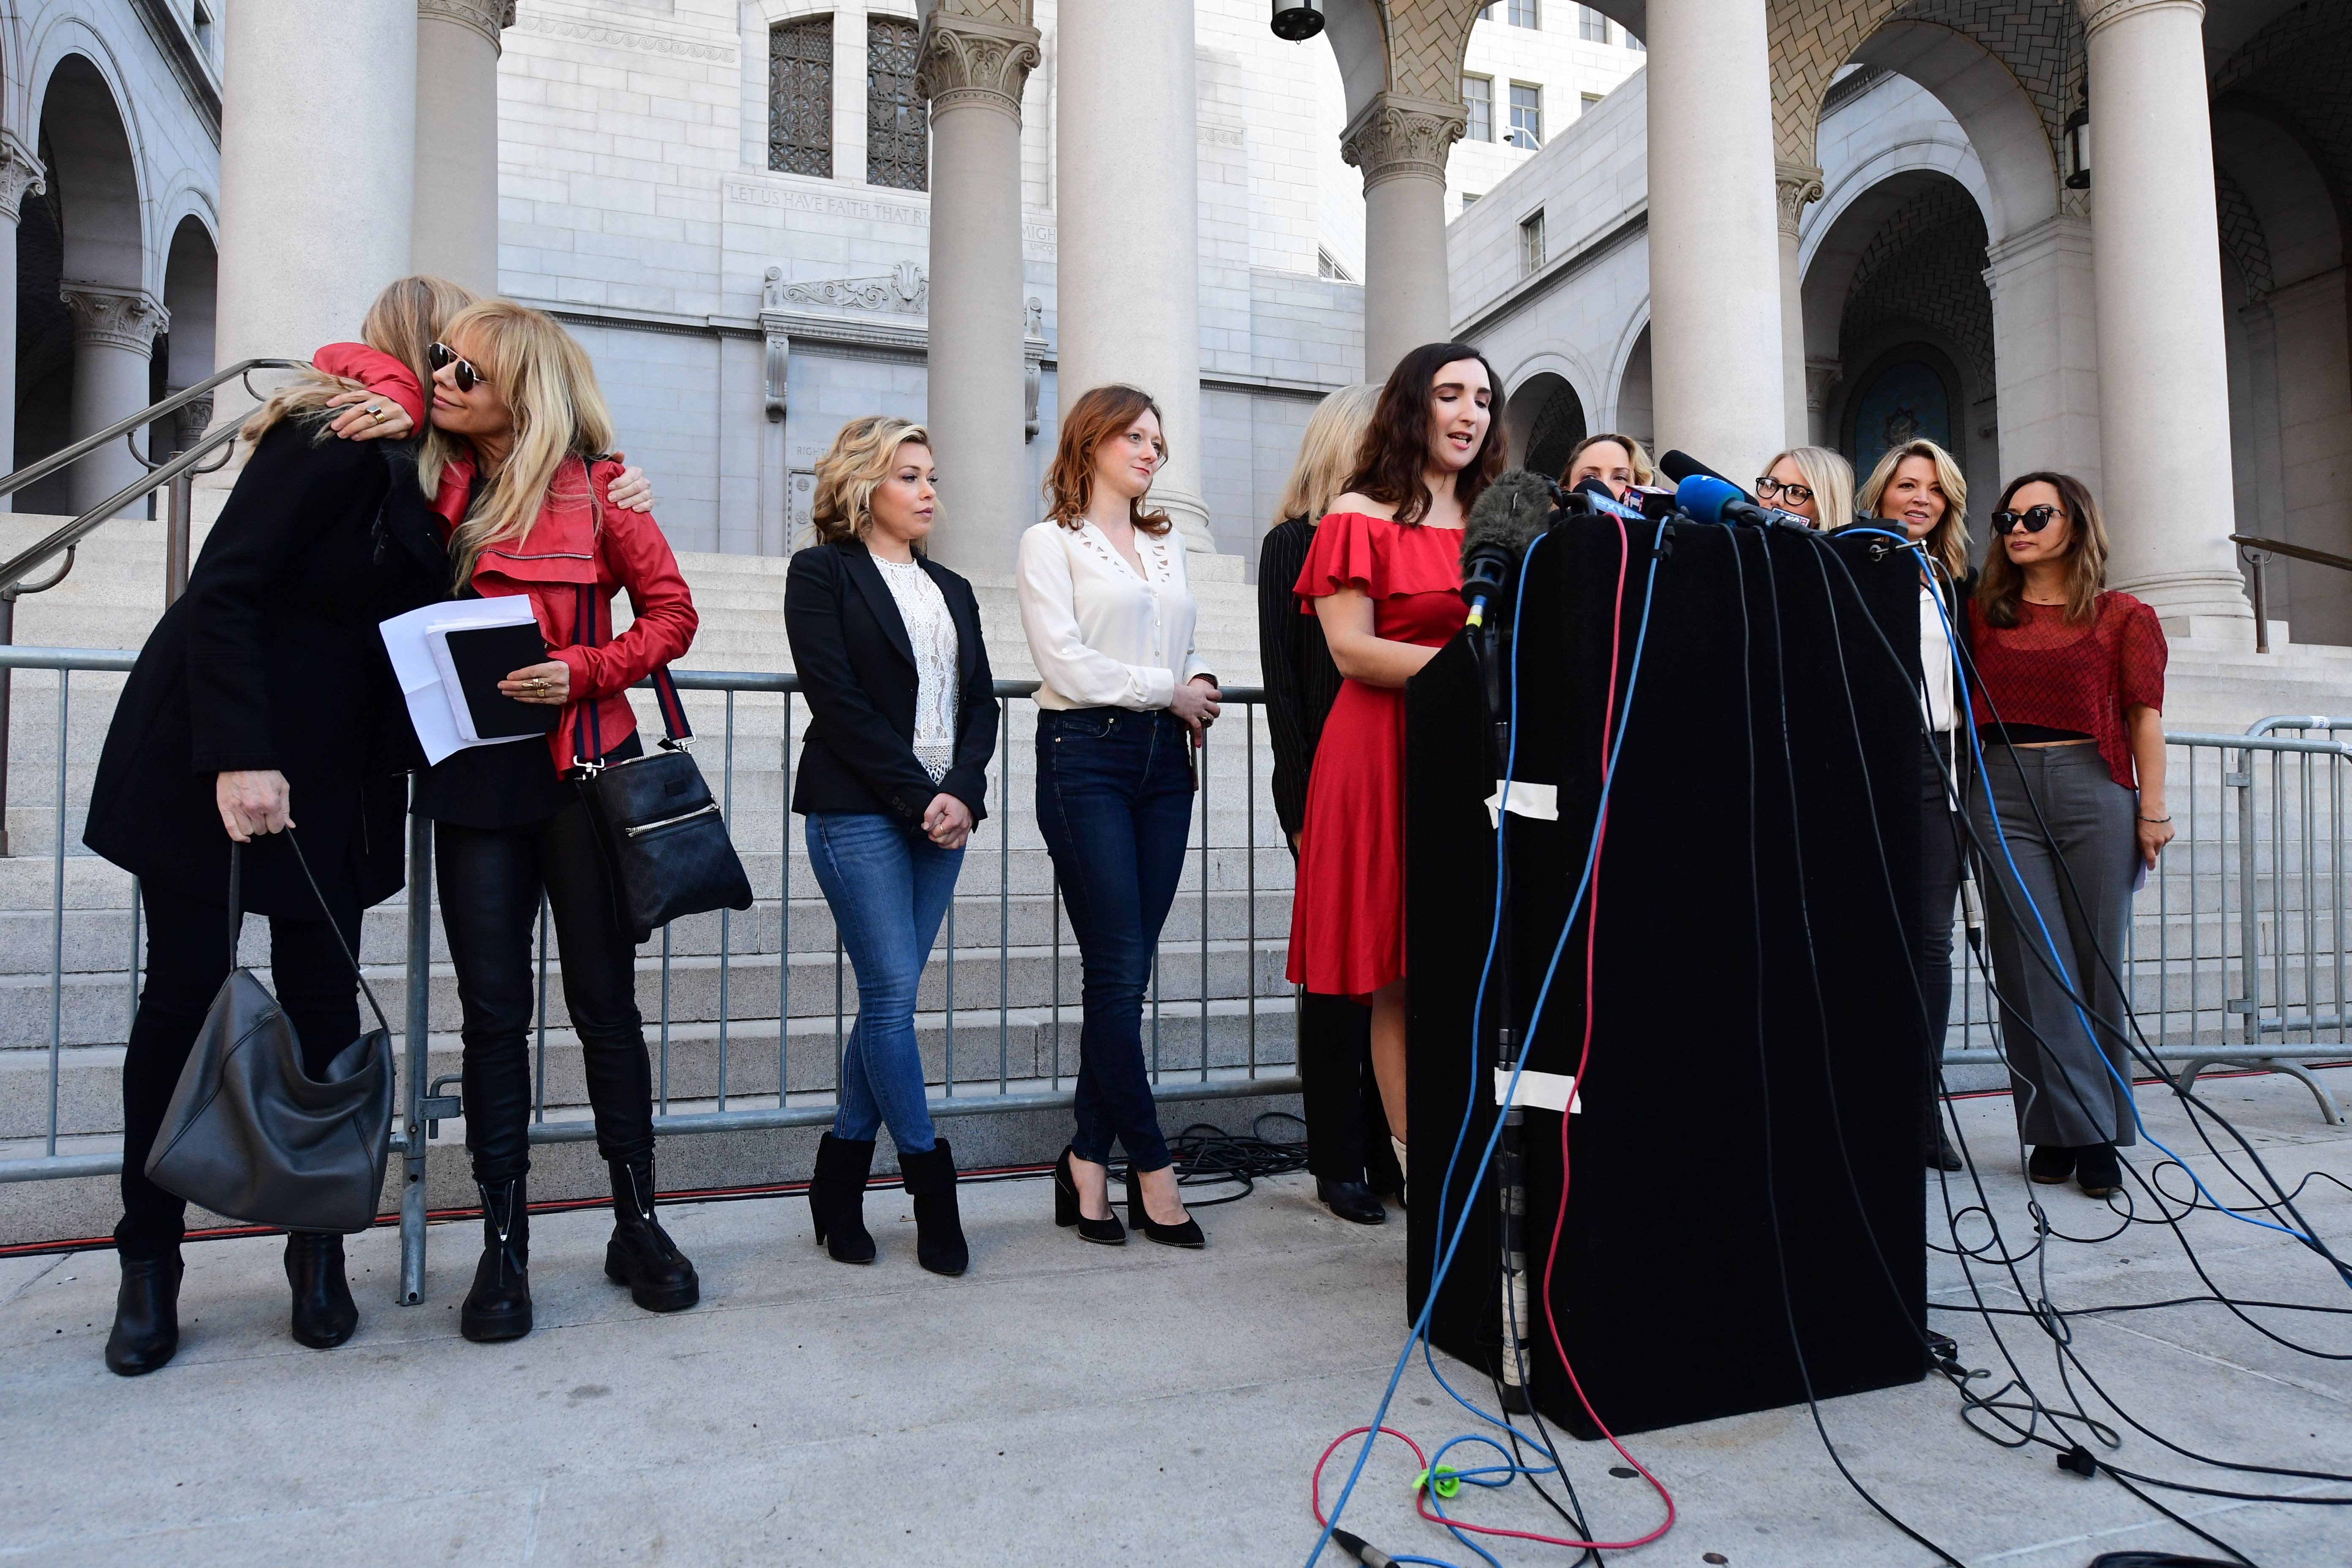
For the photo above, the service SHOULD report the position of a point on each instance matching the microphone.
(1711, 498)
(1594, 495)
(1506, 520)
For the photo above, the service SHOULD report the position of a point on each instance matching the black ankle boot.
(146, 1313)
(641, 1254)
(837, 1197)
(498, 1306)
(324, 1313)
(930, 1179)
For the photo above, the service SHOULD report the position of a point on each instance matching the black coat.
(271, 659)
(1301, 682)
(856, 669)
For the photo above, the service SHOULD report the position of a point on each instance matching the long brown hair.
(2003, 582)
(1395, 453)
(1099, 414)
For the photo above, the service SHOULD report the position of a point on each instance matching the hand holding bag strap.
(343, 947)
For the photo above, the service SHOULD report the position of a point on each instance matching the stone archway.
(191, 283)
(1546, 420)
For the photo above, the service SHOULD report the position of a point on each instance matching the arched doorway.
(184, 354)
(1546, 420)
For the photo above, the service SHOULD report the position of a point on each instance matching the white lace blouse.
(931, 632)
(1103, 636)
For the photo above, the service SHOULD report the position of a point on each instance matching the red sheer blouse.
(2082, 677)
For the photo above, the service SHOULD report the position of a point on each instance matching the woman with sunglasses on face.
(2069, 708)
(1617, 461)
(1918, 491)
(1124, 702)
(893, 776)
(1384, 578)
(523, 497)
(1812, 482)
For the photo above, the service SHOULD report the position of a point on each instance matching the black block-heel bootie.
(324, 1313)
(837, 1197)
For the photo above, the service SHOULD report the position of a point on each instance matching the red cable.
(1314, 1484)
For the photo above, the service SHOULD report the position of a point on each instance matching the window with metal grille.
(1526, 14)
(1478, 101)
(1531, 242)
(897, 120)
(1592, 26)
(1526, 116)
(800, 97)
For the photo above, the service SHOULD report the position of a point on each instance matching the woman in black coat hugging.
(893, 778)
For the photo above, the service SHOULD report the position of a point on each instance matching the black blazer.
(1301, 682)
(271, 659)
(857, 670)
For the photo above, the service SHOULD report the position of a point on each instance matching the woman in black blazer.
(893, 777)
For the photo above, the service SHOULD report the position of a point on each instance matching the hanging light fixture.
(1298, 20)
(2078, 145)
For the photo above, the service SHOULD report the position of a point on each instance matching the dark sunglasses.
(1799, 494)
(2034, 520)
(441, 355)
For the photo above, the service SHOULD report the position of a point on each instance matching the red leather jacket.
(378, 371)
(580, 552)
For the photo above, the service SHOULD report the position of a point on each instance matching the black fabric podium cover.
(1667, 1289)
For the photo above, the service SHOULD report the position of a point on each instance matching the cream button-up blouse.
(1101, 636)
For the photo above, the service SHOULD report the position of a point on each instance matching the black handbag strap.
(665, 697)
(237, 919)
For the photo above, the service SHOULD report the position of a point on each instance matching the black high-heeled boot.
(1186, 1232)
(931, 1181)
(641, 1254)
(498, 1306)
(324, 1313)
(146, 1312)
(837, 1197)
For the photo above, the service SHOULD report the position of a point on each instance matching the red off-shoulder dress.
(1347, 915)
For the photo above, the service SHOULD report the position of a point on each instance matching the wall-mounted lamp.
(2078, 147)
(1298, 20)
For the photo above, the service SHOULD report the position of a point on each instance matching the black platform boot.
(146, 1312)
(498, 1306)
(837, 1197)
(641, 1254)
(930, 1179)
(324, 1313)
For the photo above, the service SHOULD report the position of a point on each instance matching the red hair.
(1099, 414)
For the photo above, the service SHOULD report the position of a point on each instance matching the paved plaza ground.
(1065, 1403)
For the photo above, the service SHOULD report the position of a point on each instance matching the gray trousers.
(2065, 1095)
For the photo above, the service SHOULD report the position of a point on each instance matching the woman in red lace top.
(2069, 707)
(1384, 579)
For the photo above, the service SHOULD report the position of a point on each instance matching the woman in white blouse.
(1123, 704)
(893, 777)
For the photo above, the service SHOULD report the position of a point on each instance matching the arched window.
(897, 120)
(799, 96)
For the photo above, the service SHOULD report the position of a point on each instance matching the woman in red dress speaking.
(1384, 578)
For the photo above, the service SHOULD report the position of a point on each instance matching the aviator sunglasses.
(2034, 520)
(439, 356)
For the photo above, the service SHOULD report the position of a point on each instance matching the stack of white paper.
(418, 643)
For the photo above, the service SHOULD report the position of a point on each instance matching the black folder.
(484, 655)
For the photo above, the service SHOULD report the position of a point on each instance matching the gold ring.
(376, 409)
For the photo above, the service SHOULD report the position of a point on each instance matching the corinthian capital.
(114, 318)
(486, 17)
(1401, 137)
(19, 172)
(1796, 186)
(975, 54)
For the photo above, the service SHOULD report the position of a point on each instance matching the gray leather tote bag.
(249, 1134)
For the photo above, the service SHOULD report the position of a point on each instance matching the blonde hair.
(404, 321)
(549, 386)
(1644, 472)
(862, 453)
(1947, 542)
(1328, 453)
(1831, 478)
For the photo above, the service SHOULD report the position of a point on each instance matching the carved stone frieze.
(1401, 137)
(971, 61)
(905, 290)
(125, 319)
(1796, 186)
(488, 18)
(19, 172)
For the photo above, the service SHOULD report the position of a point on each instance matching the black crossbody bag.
(664, 838)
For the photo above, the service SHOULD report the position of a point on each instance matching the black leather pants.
(490, 880)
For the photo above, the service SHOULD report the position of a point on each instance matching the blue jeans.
(890, 886)
(1115, 803)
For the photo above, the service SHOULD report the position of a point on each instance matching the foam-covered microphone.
(1506, 520)
(1710, 497)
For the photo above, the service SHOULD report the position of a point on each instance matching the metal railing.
(2256, 553)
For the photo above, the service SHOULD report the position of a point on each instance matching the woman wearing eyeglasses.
(1918, 490)
(1813, 482)
(2068, 705)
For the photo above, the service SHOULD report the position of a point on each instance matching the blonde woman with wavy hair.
(893, 777)
(1347, 1133)
(520, 481)
(1813, 482)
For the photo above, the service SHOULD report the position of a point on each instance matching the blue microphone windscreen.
(1704, 497)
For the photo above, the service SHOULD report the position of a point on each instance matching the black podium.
(1667, 1290)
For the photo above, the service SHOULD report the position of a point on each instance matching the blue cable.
(1446, 1263)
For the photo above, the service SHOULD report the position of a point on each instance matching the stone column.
(2164, 385)
(1715, 244)
(2046, 350)
(456, 225)
(1796, 186)
(1821, 376)
(114, 347)
(1126, 160)
(317, 161)
(1401, 145)
(976, 55)
(20, 174)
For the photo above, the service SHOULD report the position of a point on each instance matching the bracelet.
(2156, 821)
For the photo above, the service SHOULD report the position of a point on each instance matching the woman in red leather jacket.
(523, 500)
